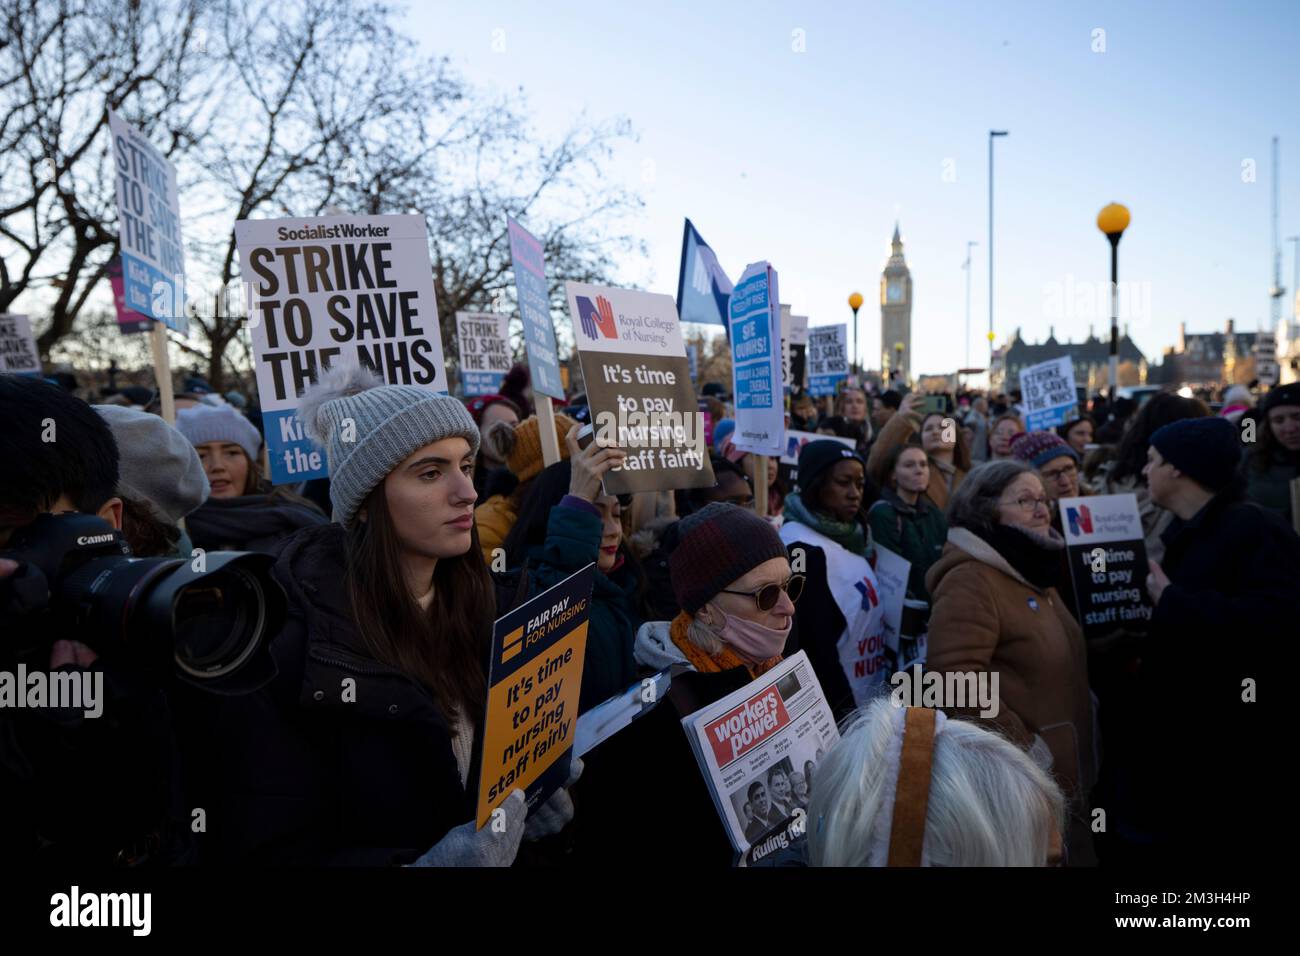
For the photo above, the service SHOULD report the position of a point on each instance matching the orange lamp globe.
(855, 301)
(1113, 219)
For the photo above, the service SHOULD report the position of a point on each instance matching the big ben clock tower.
(896, 311)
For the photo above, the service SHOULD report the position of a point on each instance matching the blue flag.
(702, 287)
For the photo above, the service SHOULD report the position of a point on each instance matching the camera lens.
(218, 621)
(206, 619)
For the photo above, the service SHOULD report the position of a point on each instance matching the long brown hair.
(445, 647)
(960, 448)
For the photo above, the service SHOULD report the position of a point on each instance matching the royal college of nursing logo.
(1080, 520)
(596, 319)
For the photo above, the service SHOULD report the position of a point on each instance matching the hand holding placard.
(589, 465)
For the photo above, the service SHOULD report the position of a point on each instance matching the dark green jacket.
(573, 542)
(915, 532)
(1270, 487)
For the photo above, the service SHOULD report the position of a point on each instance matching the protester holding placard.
(904, 520)
(737, 593)
(941, 438)
(566, 521)
(1125, 473)
(367, 735)
(1224, 595)
(521, 447)
(841, 618)
(996, 610)
(1273, 463)
(244, 511)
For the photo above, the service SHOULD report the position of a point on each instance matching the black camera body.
(210, 619)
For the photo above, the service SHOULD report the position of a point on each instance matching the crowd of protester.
(440, 514)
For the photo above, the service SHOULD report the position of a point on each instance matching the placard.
(534, 297)
(1047, 391)
(1106, 549)
(17, 345)
(639, 387)
(828, 358)
(149, 226)
(535, 674)
(484, 340)
(335, 290)
(755, 326)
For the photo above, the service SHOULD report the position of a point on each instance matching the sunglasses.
(767, 596)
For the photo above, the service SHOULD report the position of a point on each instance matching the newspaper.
(758, 749)
(608, 718)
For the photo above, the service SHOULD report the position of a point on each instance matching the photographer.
(77, 786)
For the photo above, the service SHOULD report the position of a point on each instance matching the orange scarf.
(724, 660)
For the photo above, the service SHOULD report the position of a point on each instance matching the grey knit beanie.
(159, 467)
(367, 428)
(205, 423)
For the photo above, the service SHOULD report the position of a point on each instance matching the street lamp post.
(992, 133)
(1295, 282)
(855, 303)
(898, 362)
(1113, 220)
(966, 265)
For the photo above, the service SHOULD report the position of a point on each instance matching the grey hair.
(703, 636)
(974, 504)
(990, 804)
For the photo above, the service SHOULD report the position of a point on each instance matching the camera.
(78, 579)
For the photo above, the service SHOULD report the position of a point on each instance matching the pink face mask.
(752, 641)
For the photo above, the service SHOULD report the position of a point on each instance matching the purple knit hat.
(1038, 448)
(719, 543)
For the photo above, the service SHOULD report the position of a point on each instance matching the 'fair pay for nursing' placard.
(338, 290)
(535, 674)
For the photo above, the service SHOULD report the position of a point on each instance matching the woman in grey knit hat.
(364, 749)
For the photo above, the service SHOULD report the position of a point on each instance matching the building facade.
(1210, 358)
(1091, 359)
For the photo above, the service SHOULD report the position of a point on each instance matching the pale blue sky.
(805, 159)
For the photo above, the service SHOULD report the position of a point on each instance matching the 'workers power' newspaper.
(759, 748)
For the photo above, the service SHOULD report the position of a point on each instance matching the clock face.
(894, 290)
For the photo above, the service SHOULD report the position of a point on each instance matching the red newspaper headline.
(736, 733)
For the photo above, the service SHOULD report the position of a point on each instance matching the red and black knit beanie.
(719, 543)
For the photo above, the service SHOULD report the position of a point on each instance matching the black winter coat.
(642, 800)
(1184, 781)
(303, 777)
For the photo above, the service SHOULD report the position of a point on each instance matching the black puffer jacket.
(302, 777)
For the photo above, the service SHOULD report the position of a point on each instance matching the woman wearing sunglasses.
(841, 619)
(733, 582)
(995, 610)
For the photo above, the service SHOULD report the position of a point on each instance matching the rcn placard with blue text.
(336, 290)
(534, 294)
